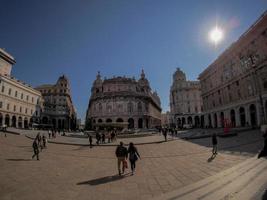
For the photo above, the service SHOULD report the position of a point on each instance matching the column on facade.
(258, 107)
(227, 116)
(194, 121)
(3, 119)
(248, 119)
(212, 120)
(135, 122)
(219, 122)
(206, 120)
(237, 117)
(17, 121)
(22, 123)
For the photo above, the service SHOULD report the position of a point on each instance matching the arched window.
(130, 107)
(119, 107)
(146, 107)
(139, 107)
(100, 107)
(109, 108)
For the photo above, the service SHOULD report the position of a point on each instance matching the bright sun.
(216, 35)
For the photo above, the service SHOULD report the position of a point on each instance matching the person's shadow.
(213, 156)
(264, 196)
(18, 159)
(103, 180)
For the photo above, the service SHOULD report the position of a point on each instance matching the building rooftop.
(7, 56)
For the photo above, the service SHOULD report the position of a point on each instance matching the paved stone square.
(80, 172)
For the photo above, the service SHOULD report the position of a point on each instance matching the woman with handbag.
(133, 153)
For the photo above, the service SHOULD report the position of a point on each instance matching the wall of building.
(185, 100)
(234, 86)
(123, 100)
(59, 111)
(20, 105)
(6, 62)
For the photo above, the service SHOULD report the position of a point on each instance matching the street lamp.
(258, 88)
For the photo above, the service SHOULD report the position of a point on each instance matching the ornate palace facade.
(20, 104)
(234, 86)
(123, 100)
(185, 101)
(59, 111)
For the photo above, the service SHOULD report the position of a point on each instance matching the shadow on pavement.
(249, 142)
(264, 196)
(213, 156)
(18, 159)
(103, 180)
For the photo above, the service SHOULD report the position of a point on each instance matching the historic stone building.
(59, 111)
(185, 100)
(20, 104)
(123, 101)
(166, 119)
(234, 86)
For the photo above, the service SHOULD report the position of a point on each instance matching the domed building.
(123, 103)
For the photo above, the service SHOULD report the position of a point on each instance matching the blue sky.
(118, 37)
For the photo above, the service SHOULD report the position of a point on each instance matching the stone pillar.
(22, 123)
(248, 119)
(136, 122)
(212, 120)
(227, 115)
(3, 119)
(219, 123)
(17, 122)
(258, 107)
(237, 118)
(206, 120)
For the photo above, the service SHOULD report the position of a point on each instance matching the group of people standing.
(122, 154)
(39, 143)
(171, 131)
(101, 138)
(53, 133)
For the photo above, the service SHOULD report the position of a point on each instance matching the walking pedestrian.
(264, 150)
(133, 153)
(165, 134)
(35, 149)
(98, 137)
(39, 139)
(90, 140)
(44, 141)
(112, 136)
(122, 155)
(214, 143)
(103, 138)
(49, 133)
(109, 137)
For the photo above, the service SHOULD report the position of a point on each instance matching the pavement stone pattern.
(80, 172)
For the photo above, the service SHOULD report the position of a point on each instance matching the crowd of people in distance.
(102, 138)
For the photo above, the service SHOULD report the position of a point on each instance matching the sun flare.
(216, 35)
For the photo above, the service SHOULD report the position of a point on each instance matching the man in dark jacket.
(264, 150)
(214, 143)
(122, 155)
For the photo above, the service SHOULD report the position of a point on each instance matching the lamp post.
(258, 89)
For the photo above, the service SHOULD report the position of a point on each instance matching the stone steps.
(239, 182)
